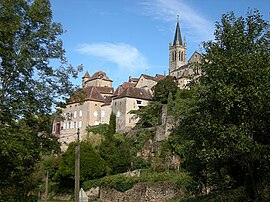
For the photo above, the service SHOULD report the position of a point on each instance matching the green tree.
(29, 88)
(148, 115)
(112, 124)
(92, 165)
(225, 134)
(163, 88)
(116, 153)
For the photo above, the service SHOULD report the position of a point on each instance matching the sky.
(131, 37)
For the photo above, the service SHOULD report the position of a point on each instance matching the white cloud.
(166, 10)
(124, 55)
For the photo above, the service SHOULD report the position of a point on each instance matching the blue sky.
(130, 37)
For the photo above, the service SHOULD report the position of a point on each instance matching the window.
(71, 124)
(103, 113)
(64, 126)
(139, 102)
(80, 124)
(80, 113)
(75, 114)
(75, 124)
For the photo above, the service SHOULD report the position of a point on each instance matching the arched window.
(179, 57)
(182, 58)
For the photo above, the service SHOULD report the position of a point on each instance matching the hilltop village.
(100, 99)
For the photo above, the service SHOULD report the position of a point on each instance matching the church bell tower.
(177, 50)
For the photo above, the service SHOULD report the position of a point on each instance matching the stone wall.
(167, 122)
(143, 192)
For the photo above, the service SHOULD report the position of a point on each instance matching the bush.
(123, 183)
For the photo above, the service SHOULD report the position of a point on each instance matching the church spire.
(177, 49)
(177, 36)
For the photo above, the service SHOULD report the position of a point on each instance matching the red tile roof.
(93, 94)
(128, 84)
(88, 93)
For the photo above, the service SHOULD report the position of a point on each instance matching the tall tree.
(163, 88)
(29, 88)
(112, 125)
(92, 165)
(225, 137)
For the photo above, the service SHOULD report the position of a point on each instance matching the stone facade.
(121, 107)
(148, 82)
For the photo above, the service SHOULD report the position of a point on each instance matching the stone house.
(131, 98)
(88, 106)
(147, 82)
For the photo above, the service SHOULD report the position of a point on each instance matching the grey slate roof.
(177, 36)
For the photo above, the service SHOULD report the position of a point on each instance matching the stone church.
(179, 68)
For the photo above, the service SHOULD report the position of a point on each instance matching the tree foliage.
(112, 124)
(148, 115)
(92, 165)
(225, 136)
(115, 151)
(163, 88)
(29, 88)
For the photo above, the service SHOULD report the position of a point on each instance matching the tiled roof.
(138, 93)
(160, 76)
(88, 93)
(100, 75)
(128, 84)
(122, 87)
(133, 80)
(149, 77)
(153, 78)
(118, 90)
(91, 93)
(105, 90)
(182, 67)
(87, 75)
(108, 100)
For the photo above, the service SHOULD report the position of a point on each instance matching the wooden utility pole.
(77, 168)
(46, 186)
